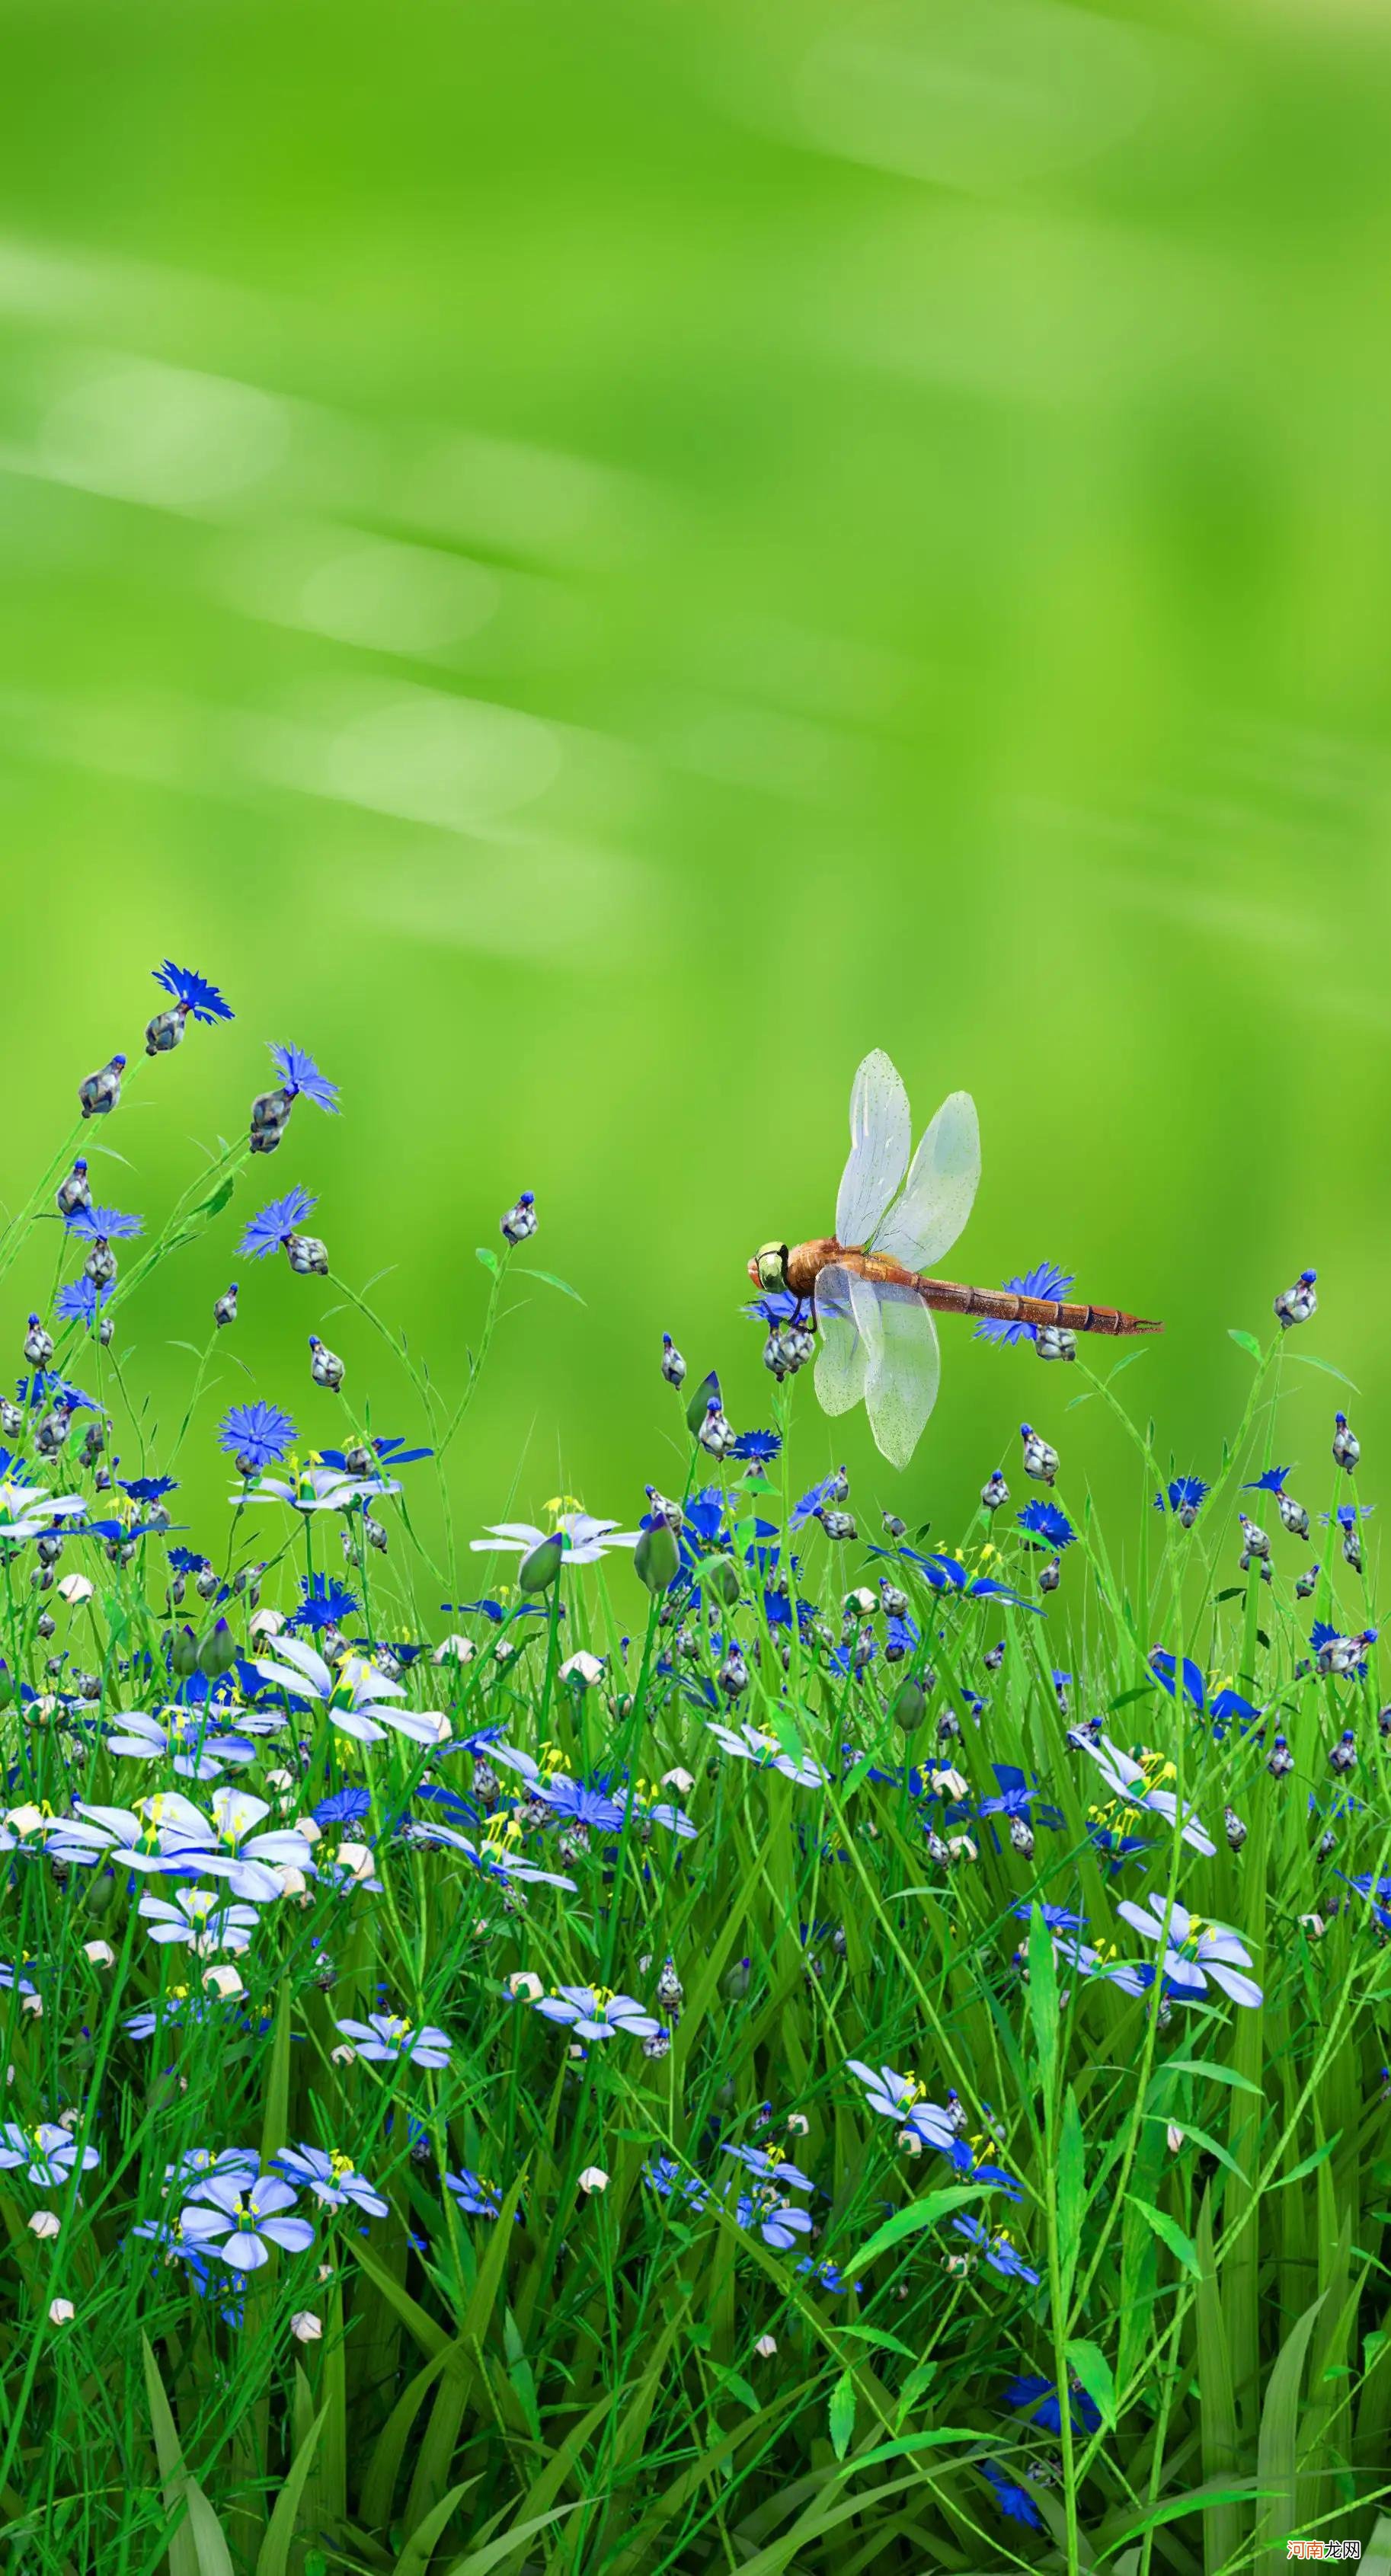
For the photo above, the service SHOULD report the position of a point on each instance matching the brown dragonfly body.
(806, 1261)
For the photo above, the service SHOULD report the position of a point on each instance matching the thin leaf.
(484, 1253)
(842, 2414)
(1169, 2233)
(551, 1281)
(273, 2557)
(420, 2548)
(1327, 1367)
(1090, 2365)
(917, 2215)
(1246, 1342)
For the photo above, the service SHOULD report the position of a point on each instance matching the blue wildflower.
(1219, 1704)
(1044, 1280)
(1183, 1495)
(1056, 1917)
(323, 1603)
(390, 1454)
(267, 1232)
(44, 1387)
(1040, 2398)
(1016, 1798)
(810, 1504)
(102, 1224)
(1014, 2501)
(81, 1301)
(193, 992)
(301, 1076)
(260, 1433)
(1271, 1482)
(761, 1445)
(579, 1804)
(1347, 1515)
(1000, 2252)
(186, 1560)
(1046, 1521)
(781, 1307)
(147, 1489)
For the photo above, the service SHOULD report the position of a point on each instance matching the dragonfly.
(871, 1301)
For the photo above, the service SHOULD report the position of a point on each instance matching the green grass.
(630, 2380)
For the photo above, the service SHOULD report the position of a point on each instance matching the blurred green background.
(591, 564)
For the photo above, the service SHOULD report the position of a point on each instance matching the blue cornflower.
(267, 1232)
(301, 1076)
(1014, 2501)
(260, 1433)
(323, 1603)
(1044, 1280)
(44, 1387)
(147, 1489)
(193, 992)
(1040, 2398)
(1183, 1494)
(808, 1505)
(779, 1307)
(1271, 1482)
(1046, 1521)
(1016, 1798)
(81, 1301)
(390, 1453)
(761, 1445)
(343, 1807)
(186, 1560)
(1057, 1917)
(770, 2166)
(104, 1224)
(581, 1805)
(1347, 1515)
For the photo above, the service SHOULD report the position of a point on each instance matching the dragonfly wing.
(940, 1188)
(903, 1365)
(843, 1356)
(881, 1136)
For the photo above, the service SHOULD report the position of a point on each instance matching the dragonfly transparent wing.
(841, 1357)
(881, 1137)
(902, 1366)
(939, 1191)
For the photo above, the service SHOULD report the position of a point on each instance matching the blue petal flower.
(1044, 1280)
(1184, 1493)
(147, 1489)
(260, 1432)
(1046, 1521)
(266, 1233)
(323, 1603)
(1347, 1515)
(198, 996)
(44, 1387)
(762, 1445)
(81, 1301)
(1271, 1482)
(106, 1223)
(301, 1075)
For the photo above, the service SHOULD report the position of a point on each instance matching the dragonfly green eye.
(771, 1262)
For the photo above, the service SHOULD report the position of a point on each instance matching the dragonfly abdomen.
(1003, 1306)
(947, 1297)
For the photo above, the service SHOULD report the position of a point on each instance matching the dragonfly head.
(768, 1268)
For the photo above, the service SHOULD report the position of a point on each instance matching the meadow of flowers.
(759, 2039)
